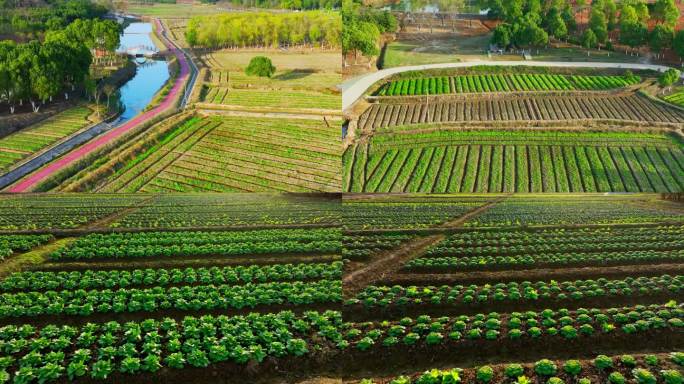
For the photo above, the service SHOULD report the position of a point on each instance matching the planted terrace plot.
(605, 107)
(457, 298)
(408, 212)
(501, 83)
(509, 161)
(144, 306)
(266, 99)
(26, 142)
(304, 81)
(237, 154)
(60, 211)
(234, 209)
(649, 368)
(573, 210)
(10, 244)
(188, 244)
(528, 249)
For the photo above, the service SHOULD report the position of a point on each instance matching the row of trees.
(532, 22)
(289, 4)
(317, 28)
(363, 27)
(37, 71)
(31, 22)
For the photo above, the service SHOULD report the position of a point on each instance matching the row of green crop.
(622, 257)
(494, 327)
(468, 168)
(55, 353)
(186, 298)
(540, 291)
(629, 243)
(501, 83)
(20, 243)
(645, 369)
(568, 210)
(90, 279)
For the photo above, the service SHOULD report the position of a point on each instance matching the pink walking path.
(36, 178)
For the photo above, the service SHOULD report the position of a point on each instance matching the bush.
(669, 77)
(260, 66)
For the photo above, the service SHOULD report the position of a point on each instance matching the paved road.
(36, 178)
(354, 88)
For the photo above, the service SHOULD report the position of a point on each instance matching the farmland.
(453, 161)
(513, 288)
(174, 303)
(519, 108)
(17, 146)
(502, 83)
(234, 154)
(304, 82)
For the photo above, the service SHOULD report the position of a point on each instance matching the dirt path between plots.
(388, 263)
(105, 221)
(36, 256)
(541, 274)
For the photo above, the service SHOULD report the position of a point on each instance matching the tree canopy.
(265, 29)
(260, 66)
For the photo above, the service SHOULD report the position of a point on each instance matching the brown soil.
(75, 320)
(179, 262)
(558, 273)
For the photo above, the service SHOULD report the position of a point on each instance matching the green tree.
(260, 66)
(661, 38)
(589, 39)
(669, 77)
(666, 12)
(502, 36)
(555, 24)
(678, 43)
(598, 25)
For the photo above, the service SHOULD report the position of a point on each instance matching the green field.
(502, 83)
(27, 141)
(507, 161)
(304, 80)
(232, 154)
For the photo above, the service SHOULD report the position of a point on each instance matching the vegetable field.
(237, 154)
(515, 289)
(515, 161)
(165, 211)
(26, 142)
(502, 83)
(176, 305)
(528, 108)
(305, 81)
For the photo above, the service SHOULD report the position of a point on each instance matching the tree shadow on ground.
(294, 74)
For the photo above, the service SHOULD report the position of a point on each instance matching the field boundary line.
(394, 259)
(102, 223)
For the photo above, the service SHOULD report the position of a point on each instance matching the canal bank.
(79, 151)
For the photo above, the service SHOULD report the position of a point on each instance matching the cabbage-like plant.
(616, 378)
(484, 374)
(644, 376)
(514, 370)
(671, 376)
(545, 367)
(555, 380)
(603, 362)
(572, 367)
(101, 369)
